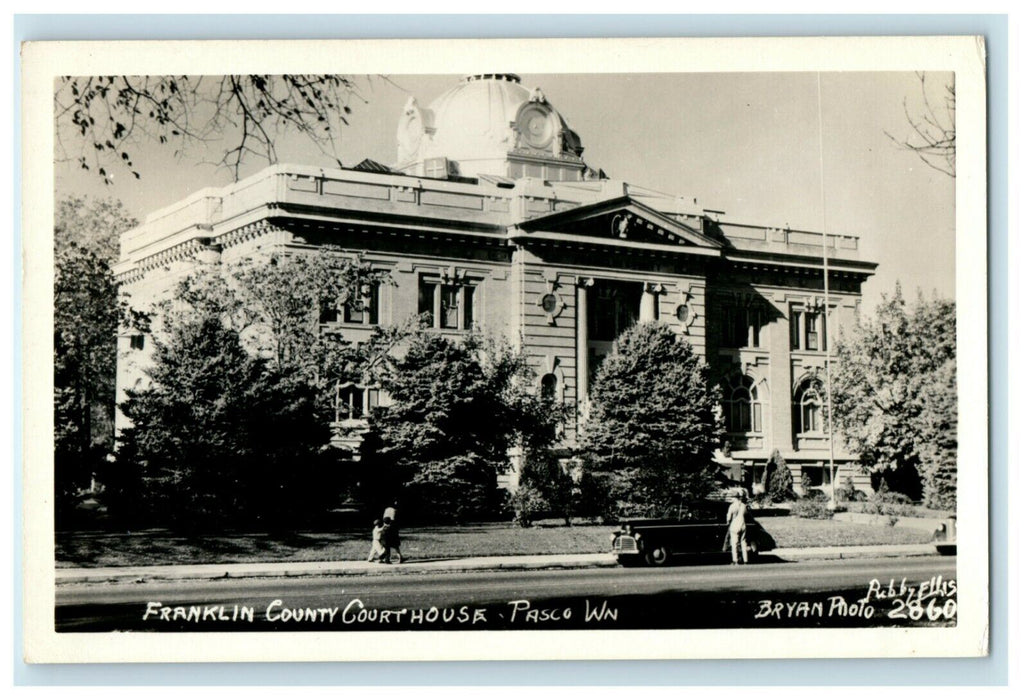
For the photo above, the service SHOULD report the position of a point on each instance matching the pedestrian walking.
(736, 519)
(377, 535)
(391, 535)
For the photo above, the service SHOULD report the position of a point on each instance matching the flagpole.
(825, 327)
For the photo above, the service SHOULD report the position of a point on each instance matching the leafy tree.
(778, 479)
(457, 409)
(276, 304)
(219, 435)
(237, 416)
(937, 438)
(87, 312)
(544, 486)
(895, 395)
(102, 121)
(91, 224)
(85, 334)
(529, 504)
(652, 428)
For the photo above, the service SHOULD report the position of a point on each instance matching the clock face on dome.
(536, 127)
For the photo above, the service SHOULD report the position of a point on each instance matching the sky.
(746, 144)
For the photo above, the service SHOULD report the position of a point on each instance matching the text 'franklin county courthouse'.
(490, 217)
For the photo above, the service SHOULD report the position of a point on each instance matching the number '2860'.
(932, 611)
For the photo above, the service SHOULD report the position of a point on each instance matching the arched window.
(741, 406)
(548, 387)
(808, 413)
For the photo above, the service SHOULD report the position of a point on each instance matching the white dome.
(473, 119)
(478, 123)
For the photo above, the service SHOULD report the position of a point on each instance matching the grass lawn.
(804, 532)
(96, 549)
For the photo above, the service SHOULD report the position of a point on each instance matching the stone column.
(582, 356)
(437, 305)
(648, 302)
(779, 424)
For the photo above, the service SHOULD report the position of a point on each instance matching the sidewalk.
(143, 574)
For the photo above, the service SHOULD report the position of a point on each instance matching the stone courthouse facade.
(491, 218)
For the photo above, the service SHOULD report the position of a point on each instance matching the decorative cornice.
(246, 233)
(187, 250)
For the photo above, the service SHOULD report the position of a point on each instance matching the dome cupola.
(488, 124)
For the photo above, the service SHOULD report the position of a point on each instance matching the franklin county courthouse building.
(490, 217)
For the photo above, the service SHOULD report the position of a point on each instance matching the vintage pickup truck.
(699, 529)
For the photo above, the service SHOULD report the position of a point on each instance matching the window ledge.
(350, 423)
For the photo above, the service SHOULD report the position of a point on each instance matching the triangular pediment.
(619, 219)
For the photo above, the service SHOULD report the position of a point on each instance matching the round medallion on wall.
(685, 315)
(549, 303)
(552, 305)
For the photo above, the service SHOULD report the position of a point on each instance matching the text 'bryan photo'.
(601, 356)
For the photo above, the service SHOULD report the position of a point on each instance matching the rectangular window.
(730, 327)
(816, 475)
(371, 302)
(741, 327)
(328, 314)
(137, 342)
(807, 329)
(451, 306)
(811, 331)
(350, 404)
(426, 298)
(756, 318)
(355, 401)
(469, 306)
(367, 310)
(364, 311)
(352, 314)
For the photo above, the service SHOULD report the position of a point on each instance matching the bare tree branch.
(101, 121)
(933, 136)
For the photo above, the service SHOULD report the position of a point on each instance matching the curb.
(305, 569)
(827, 553)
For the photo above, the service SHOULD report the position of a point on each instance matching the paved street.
(680, 596)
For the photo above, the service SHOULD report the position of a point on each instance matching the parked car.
(946, 536)
(699, 529)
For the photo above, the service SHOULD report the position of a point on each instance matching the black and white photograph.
(505, 350)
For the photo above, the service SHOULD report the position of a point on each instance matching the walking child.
(377, 549)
